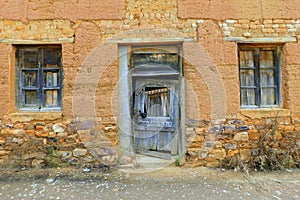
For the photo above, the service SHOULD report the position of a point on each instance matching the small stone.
(30, 132)
(236, 122)
(230, 21)
(108, 128)
(64, 154)
(50, 180)
(243, 128)
(215, 129)
(212, 162)
(38, 155)
(209, 143)
(218, 121)
(39, 128)
(253, 135)
(4, 132)
(247, 34)
(10, 125)
(47, 128)
(230, 146)
(39, 124)
(3, 153)
(79, 152)
(218, 154)
(59, 128)
(62, 134)
(86, 169)
(109, 160)
(88, 159)
(19, 132)
(232, 152)
(41, 134)
(52, 134)
(2, 141)
(200, 21)
(242, 136)
(18, 126)
(37, 163)
(227, 129)
(255, 152)
(19, 141)
(278, 135)
(29, 127)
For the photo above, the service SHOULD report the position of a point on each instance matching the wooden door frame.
(124, 121)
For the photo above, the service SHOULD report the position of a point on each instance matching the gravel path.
(168, 183)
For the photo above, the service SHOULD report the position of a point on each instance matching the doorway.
(155, 102)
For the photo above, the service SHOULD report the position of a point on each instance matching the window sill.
(265, 113)
(27, 116)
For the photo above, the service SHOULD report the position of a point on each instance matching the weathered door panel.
(156, 116)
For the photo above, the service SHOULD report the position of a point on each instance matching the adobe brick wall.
(215, 26)
(239, 9)
(71, 10)
(291, 78)
(4, 78)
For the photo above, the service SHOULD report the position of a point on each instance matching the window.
(259, 68)
(157, 101)
(39, 75)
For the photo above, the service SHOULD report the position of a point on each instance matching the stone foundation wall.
(57, 142)
(213, 143)
(209, 143)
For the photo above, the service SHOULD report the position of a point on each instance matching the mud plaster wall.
(212, 24)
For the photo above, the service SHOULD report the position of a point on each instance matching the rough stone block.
(59, 127)
(243, 128)
(99, 152)
(19, 141)
(228, 129)
(109, 160)
(242, 136)
(41, 134)
(218, 154)
(79, 152)
(37, 155)
(37, 163)
(19, 133)
(4, 153)
(230, 146)
(253, 134)
(232, 152)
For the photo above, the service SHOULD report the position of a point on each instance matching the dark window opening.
(39, 75)
(259, 76)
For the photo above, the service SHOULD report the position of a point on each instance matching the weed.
(271, 153)
(177, 162)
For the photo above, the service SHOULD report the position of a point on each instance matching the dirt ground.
(167, 183)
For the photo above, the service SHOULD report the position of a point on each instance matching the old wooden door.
(155, 111)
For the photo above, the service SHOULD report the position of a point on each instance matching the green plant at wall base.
(51, 152)
(52, 160)
(177, 162)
